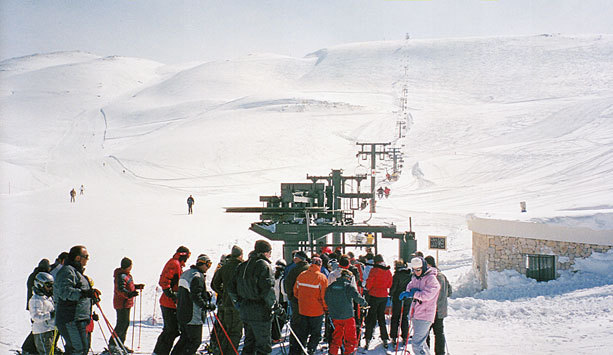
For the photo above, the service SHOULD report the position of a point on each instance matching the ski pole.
(53, 343)
(224, 331)
(103, 336)
(140, 316)
(114, 336)
(215, 332)
(399, 325)
(154, 304)
(133, 326)
(298, 340)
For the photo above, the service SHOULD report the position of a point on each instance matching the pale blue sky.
(173, 31)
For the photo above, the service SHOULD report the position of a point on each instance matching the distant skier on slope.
(73, 194)
(81, 190)
(190, 203)
(387, 191)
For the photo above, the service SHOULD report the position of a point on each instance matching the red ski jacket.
(123, 285)
(169, 279)
(379, 281)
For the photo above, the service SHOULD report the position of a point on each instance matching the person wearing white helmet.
(42, 312)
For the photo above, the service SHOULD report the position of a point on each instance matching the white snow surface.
(493, 121)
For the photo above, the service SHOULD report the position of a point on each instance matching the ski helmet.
(280, 264)
(41, 280)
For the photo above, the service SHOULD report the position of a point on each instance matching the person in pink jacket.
(424, 289)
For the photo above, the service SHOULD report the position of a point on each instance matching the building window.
(541, 267)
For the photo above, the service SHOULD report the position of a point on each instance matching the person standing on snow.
(252, 292)
(424, 289)
(300, 264)
(42, 312)
(81, 190)
(169, 282)
(123, 300)
(193, 304)
(402, 277)
(441, 309)
(339, 297)
(74, 296)
(228, 314)
(73, 194)
(378, 283)
(309, 290)
(190, 203)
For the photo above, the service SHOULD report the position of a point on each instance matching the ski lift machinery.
(310, 215)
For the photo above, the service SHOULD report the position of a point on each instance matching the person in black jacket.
(190, 203)
(228, 314)
(402, 277)
(300, 264)
(252, 291)
(193, 303)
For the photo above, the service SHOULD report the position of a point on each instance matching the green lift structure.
(308, 216)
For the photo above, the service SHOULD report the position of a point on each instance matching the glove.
(209, 296)
(210, 307)
(407, 294)
(139, 286)
(132, 294)
(170, 294)
(91, 293)
(95, 317)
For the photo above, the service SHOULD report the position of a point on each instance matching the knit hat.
(126, 263)
(203, 259)
(378, 258)
(236, 251)
(344, 262)
(316, 261)
(262, 246)
(301, 255)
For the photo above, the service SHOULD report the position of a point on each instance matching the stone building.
(536, 250)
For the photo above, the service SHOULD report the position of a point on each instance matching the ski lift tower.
(372, 150)
(306, 213)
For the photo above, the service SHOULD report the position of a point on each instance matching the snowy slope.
(494, 121)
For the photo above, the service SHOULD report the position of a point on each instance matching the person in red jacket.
(169, 282)
(123, 300)
(378, 284)
(310, 289)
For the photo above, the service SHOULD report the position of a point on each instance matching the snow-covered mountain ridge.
(493, 121)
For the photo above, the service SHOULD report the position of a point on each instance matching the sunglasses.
(86, 257)
(417, 269)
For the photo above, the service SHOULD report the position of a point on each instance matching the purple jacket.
(428, 295)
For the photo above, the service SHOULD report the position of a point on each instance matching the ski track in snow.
(490, 122)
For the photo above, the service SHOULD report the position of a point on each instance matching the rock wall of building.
(498, 253)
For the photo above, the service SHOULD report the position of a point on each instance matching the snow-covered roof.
(533, 230)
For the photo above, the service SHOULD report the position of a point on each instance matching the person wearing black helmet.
(193, 304)
(42, 312)
(281, 297)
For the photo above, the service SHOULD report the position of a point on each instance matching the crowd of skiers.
(255, 299)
